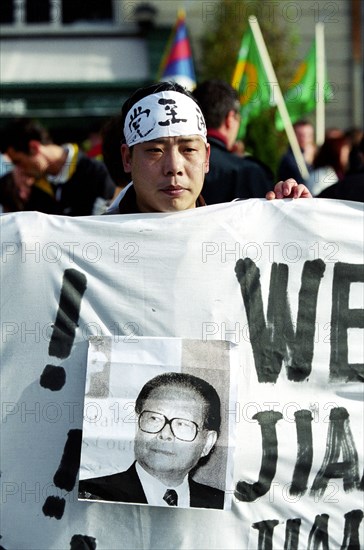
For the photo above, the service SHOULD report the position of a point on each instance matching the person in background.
(351, 187)
(5, 165)
(330, 164)
(66, 181)
(354, 136)
(15, 190)
(111, 141)
(232, 174)
(288, 167)
(92, 145)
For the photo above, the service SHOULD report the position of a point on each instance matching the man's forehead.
(167, 392)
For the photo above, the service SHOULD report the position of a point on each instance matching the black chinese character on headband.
(200, 120)
(136, 120)
(170, 107)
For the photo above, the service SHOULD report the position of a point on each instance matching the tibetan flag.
(300, 97)
(251, 81)
(177, 62)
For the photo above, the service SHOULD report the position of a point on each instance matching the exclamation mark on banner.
(65, 476)
(83, 542)
(64, 330)
(54, 377)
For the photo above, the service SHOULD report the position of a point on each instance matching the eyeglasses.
(152, 423)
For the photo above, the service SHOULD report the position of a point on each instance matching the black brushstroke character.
(136, 119)
(248, 492)
(66, 474)
(265, 529)
(340, 443)
(170, 107)
(201, 125)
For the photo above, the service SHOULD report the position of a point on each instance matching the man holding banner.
(166, 151)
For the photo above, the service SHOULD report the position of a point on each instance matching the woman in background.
(330, 164)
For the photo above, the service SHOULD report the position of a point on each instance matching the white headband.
(165, 114)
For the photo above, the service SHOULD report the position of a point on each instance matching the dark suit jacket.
(232, 177)
(126, 487)
(288, 167)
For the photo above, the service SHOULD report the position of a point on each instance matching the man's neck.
(57, 157)
(217, 134)
(169, 480)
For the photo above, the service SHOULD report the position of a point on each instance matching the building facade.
(71, 63)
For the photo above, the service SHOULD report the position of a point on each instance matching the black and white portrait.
(171, 443)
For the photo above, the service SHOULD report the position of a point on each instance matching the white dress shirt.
(154, 490)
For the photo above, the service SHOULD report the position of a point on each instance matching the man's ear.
(126, 157)
(230, 118)
(210, 442)
(34, 146)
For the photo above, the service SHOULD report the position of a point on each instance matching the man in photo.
(178, 425)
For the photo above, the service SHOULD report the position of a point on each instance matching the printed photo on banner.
(156, 428)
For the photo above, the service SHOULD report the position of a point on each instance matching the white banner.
(281, 280)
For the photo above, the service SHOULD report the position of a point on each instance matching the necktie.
(171, 497)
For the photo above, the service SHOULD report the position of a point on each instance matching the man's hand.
(289, 189)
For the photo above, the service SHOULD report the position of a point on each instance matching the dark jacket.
(9, 198)
(126, 487)
(350, 188)
(288, 168)
(232, 177)
(89, 181)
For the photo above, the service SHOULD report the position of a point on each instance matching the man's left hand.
(289, 189)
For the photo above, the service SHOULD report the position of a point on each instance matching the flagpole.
(276, 90)
(320, 83)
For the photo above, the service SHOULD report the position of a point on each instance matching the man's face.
(168, 173)
(163, 455)
(31, 163)
(305, 135)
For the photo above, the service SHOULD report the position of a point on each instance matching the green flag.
(251, 82)
(300, 97)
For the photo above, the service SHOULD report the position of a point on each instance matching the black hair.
(20, 131)
(148, 90)
(302, 122)
(111, 134)
(207, 392)
(216, 99)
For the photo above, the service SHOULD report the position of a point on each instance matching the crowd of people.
(67, 180)
(336, 168)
